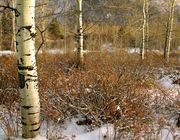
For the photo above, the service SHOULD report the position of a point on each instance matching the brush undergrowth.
(108, 88)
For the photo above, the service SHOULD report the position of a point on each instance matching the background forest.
(117, 22)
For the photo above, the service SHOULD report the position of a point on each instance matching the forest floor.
(112, 96)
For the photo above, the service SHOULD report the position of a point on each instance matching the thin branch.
(42, 38)
(17, 13)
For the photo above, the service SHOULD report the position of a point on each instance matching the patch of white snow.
(166, 82)
(6, 53)
(103, 133)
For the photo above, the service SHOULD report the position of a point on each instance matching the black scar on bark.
(36, 123)
(23, 123)
(22, 61)
(27, 107)
(25, 68)
(23, 118)
(27, 54)
(78, 30)
(27, 86)
(24, 27)
(31, 80)
(21, 80)
(27, 27)
(31, 75)
(178, 121)
(35, 129)
(33, 113)
(33, 35)
(17, 14)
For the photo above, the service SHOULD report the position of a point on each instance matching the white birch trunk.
(0, 33)
(65, 26)
(147, 23)
(27, 71)
(145, 28)
(80, 57)
(169, 29)
(13, 26)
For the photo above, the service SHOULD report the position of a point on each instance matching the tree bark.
(169, 29)
(65, 26)
(7, 29)
(27, 71)
(145, 29)
(0, 33)
(80, 57)
(13, 26)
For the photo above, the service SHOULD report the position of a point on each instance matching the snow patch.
(71, 128)
(6, 53)
(166, 82)
(105, 132)
(53, 51)
(36, 138)
(2, 135)
(133, 50)
(166, 134)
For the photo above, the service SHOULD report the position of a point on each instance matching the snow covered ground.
(105, 132)
(70, 131)
(6, 53)
(133, 50)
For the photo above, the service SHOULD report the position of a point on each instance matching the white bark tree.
(145, 28)
(80, 57)
(65, 25)
(27, 71)
(169, 30)
(14, 26)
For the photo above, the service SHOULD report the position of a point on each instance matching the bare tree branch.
(42, 38)
(11, 8)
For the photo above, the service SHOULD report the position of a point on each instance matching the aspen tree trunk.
(7, 35)
(27, 71)
(145, 28)
(65, 26)
(80, 57)
(147, 23)
(169, 29)
(0, 33)
(13, 26)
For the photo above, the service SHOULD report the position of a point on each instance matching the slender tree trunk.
(13, 27)
(27, 71)
(169, 29)
(65, 26)
(7, 30)
(147, 23)
(0, 33)
(145, 28)
(80, 57)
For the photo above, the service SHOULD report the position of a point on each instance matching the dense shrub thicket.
(108, 88)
